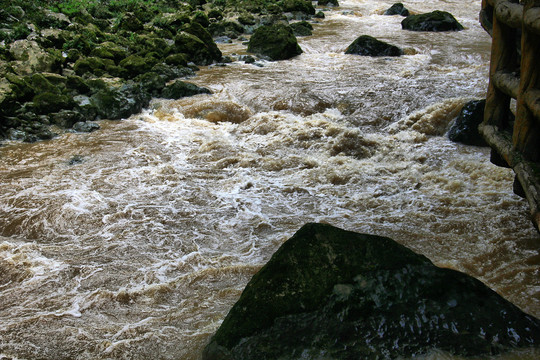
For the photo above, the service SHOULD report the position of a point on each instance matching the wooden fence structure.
(512, 128)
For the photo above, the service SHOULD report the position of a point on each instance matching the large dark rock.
(115, 103)
(180, 89)
(397, 9)
(369, 46)
(433, 21)
(276, 42)
(465, 128)
(302, 28)
(334, 294)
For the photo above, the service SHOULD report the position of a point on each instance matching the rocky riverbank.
(64, 65)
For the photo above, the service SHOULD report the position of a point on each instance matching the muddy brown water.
(139, 247)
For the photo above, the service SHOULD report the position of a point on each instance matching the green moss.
(275, 41)
(47, 102)
(135, 64)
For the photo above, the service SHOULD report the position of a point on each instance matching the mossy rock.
(228, 28)
(177, 59)
(78, 84)
(195, 49)
(276, 42)
(369, 46)
(215, 14)
(397, 9)
(328, 3)
(48, 102)
(356, 296)
(433, 21)
(302, 28)
(180, 89)
(197, 30)
(152, 83)
(66, 118)
(135, 65)
(90, 65)
(117, 103)
(129, 22)
(302, 6)
(201, 18)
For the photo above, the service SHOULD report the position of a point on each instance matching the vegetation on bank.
(73, 61)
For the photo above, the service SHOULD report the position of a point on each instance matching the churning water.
(134, 241)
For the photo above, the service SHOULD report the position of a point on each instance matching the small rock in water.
(76, 159)
(397, 9)
(87, 126)
(369, 46)
(465, 128)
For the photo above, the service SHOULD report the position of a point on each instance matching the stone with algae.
(328, 293)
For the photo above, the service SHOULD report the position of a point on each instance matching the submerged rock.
(465, 128)
(276, 42)
(369, 46)
(397, 9)
(334, 294)
(433, 21)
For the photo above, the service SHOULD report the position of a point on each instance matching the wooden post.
(526, 137)
(503, 60)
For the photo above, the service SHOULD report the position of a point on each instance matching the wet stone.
(86, 126)
(354, 296)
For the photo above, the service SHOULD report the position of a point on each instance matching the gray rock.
(87, 126)
(328, 293)
(465, 128)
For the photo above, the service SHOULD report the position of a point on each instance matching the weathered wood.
(486, 17)
(527, 172)
(532, 99)
(509, 13)
(504, 60)
(508, 83)
(526, 137)
(518, 147)
(531, 19)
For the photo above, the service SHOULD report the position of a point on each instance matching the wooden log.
(510, 13)
(486, 17)
(508, 83)
(526, 136)
(531, 19)
(503, 59)
(532, 99)
(527, 172)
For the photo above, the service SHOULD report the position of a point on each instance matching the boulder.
(433, 21)
(465, 128)
(277, 42)
(87, 127)
(369, 46)
(116, 103)
(328, 293)
(300, 6)
(180, 89)
(195, 49)
(397, 9)
(201, 33)
(30, 58)
(302, 28)
(66, 118)
(328, 3)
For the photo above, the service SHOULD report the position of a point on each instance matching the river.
(134, 241)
